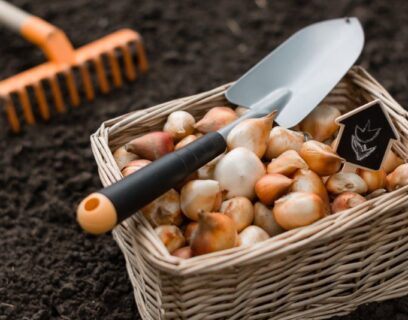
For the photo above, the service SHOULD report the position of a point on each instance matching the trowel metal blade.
(309, 64)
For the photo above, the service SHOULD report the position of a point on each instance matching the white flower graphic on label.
(361, 137)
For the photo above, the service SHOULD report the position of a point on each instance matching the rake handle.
(50, 39)
(12, 17)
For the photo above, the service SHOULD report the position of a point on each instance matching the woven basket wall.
(326, 269)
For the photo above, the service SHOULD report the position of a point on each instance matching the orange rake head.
(103, 63)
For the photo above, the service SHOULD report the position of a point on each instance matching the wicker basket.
(326, 269)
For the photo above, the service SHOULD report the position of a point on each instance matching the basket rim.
(326, 228)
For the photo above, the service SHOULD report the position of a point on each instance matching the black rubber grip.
(140, 188)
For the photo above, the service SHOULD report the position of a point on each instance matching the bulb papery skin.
(287, 163)
(179, 124)
(251, 235)
(391, 162)
(320, 123)
(215, 119)
(122, 157)
(263, 218)
(185, 141)
(207, 171)
(151, 146)
(298, 209)
(240, 210)
(189, 231)
(320, 158)
(215, 232)
(271, 186)
(398, 178)
(346, 200)
(237, 172)
(251, 134)
(164, 210)
(200, 196)
(134, 165)
(183, 253)
(305, 180)
(281, 139)
(171, 237)
(240, 111)
(346, 181)
(374, 179)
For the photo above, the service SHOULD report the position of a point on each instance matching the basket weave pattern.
(325, 269)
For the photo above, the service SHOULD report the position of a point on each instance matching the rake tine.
(141, 54)
(26, 105)
(72, 89)
(100, 72)
(42, 101)
(117, 76)
(56, 92)
(12, 115)
(87, 82)
(129, 66)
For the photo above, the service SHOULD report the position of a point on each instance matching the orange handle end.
(96, 214)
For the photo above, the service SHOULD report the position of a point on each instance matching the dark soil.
(49, 268)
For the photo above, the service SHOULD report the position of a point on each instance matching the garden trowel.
(291, 81)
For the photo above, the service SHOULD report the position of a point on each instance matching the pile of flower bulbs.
(269, 180)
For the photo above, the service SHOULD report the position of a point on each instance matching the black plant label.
(366, 134)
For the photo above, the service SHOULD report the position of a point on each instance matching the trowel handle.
(102, 210)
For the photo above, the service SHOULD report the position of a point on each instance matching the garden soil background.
(49, 268)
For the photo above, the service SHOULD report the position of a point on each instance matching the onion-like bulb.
(215, 232)
(207, 171)
(307, 181)
(271, 186)
(320, 158)
(152, 145)
(171, 237)
(347, 200)
(185, 141)
(374, 179)
(237, 173)
(320, 123)
(287, 163)
(134, 166)
(251, 134)
(183, 253)
(391, 161)
(164, 210)
(215, 119)
(264, 219)
(122, 157)
(281, 140)
(251, 235)
(398, 178)
(189, 231)
(200, 196)
(298, 209)
(179, 124)
(240, 111)
(240, 210)
(346, 181)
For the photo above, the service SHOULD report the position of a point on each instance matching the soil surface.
(49, 268)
